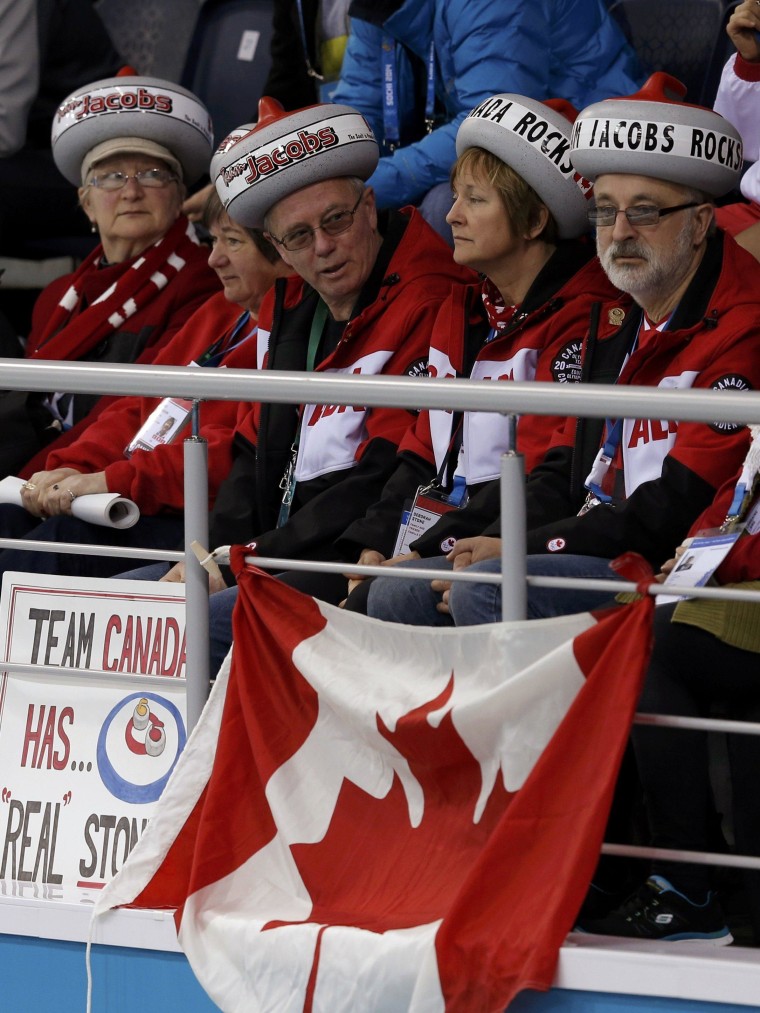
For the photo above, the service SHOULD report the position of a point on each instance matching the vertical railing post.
(196, 578)
(514, 594)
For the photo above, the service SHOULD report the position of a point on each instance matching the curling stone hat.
(652, 133)
(287, 151)
(533, 138)
(131, 109)
(218, 158)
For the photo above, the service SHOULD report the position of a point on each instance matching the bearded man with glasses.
(610, 486)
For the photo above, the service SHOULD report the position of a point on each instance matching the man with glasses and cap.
(365, 292)
(606, 487)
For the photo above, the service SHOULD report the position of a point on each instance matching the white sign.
(249, 42)
(85, 756)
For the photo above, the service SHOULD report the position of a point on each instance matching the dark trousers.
(692, 673)
(15, 522)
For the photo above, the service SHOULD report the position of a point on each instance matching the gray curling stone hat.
(287, 151)
(131, 109)
(219, 156)
(653, 134)
(533, 138)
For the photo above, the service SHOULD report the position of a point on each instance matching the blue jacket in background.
(571, 49)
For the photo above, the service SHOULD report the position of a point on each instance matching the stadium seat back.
(228, 60)
(152, 37)
(677, 36)
(724, 48)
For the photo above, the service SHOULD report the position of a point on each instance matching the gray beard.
(662, 268)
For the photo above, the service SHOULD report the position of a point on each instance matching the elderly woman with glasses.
(131, 145)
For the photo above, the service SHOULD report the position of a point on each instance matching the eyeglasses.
(637, 216)
(149, 178)
(333, 225)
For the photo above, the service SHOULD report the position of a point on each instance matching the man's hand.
(474, 550)
(371, 557)
(741, 28)
(177, 576)
(368, 557)
(669, 564)
(193, 206)
(466, 552)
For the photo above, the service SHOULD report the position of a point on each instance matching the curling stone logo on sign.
(139, 745)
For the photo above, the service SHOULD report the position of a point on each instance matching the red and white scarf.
(70, 334)
(498, 313)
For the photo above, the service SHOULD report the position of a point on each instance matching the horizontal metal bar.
(615, 587)
(612, 587)
(592, 400)
(415, 573)
(699, 724)
(83, 549)
(42, 672)
(668, 855)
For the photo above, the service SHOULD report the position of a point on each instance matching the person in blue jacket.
(415, 69)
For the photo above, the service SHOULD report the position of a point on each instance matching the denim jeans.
(414, 602)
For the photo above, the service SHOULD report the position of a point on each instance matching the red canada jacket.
(663, 473)
(154, 479)
(542, 342)
(344, 454)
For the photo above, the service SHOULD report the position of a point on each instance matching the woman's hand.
(48, 493)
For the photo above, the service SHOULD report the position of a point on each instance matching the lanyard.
(391, 130)
(613, 429)
(390, 98)
(288, 480)
(315, 334)
(614, 432)
(302, 28)
(216, 352)
(746, 487)
(430, 92)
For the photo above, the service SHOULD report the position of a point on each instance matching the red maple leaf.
(373, 869)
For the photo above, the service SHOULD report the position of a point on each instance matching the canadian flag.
(379, 817)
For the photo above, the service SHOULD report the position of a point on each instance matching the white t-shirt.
(739, 101)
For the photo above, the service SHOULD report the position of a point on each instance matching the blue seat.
(228, 60)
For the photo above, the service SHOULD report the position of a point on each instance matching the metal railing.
(592, 401)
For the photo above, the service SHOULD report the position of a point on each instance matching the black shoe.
(599, 902)
(657, 911)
